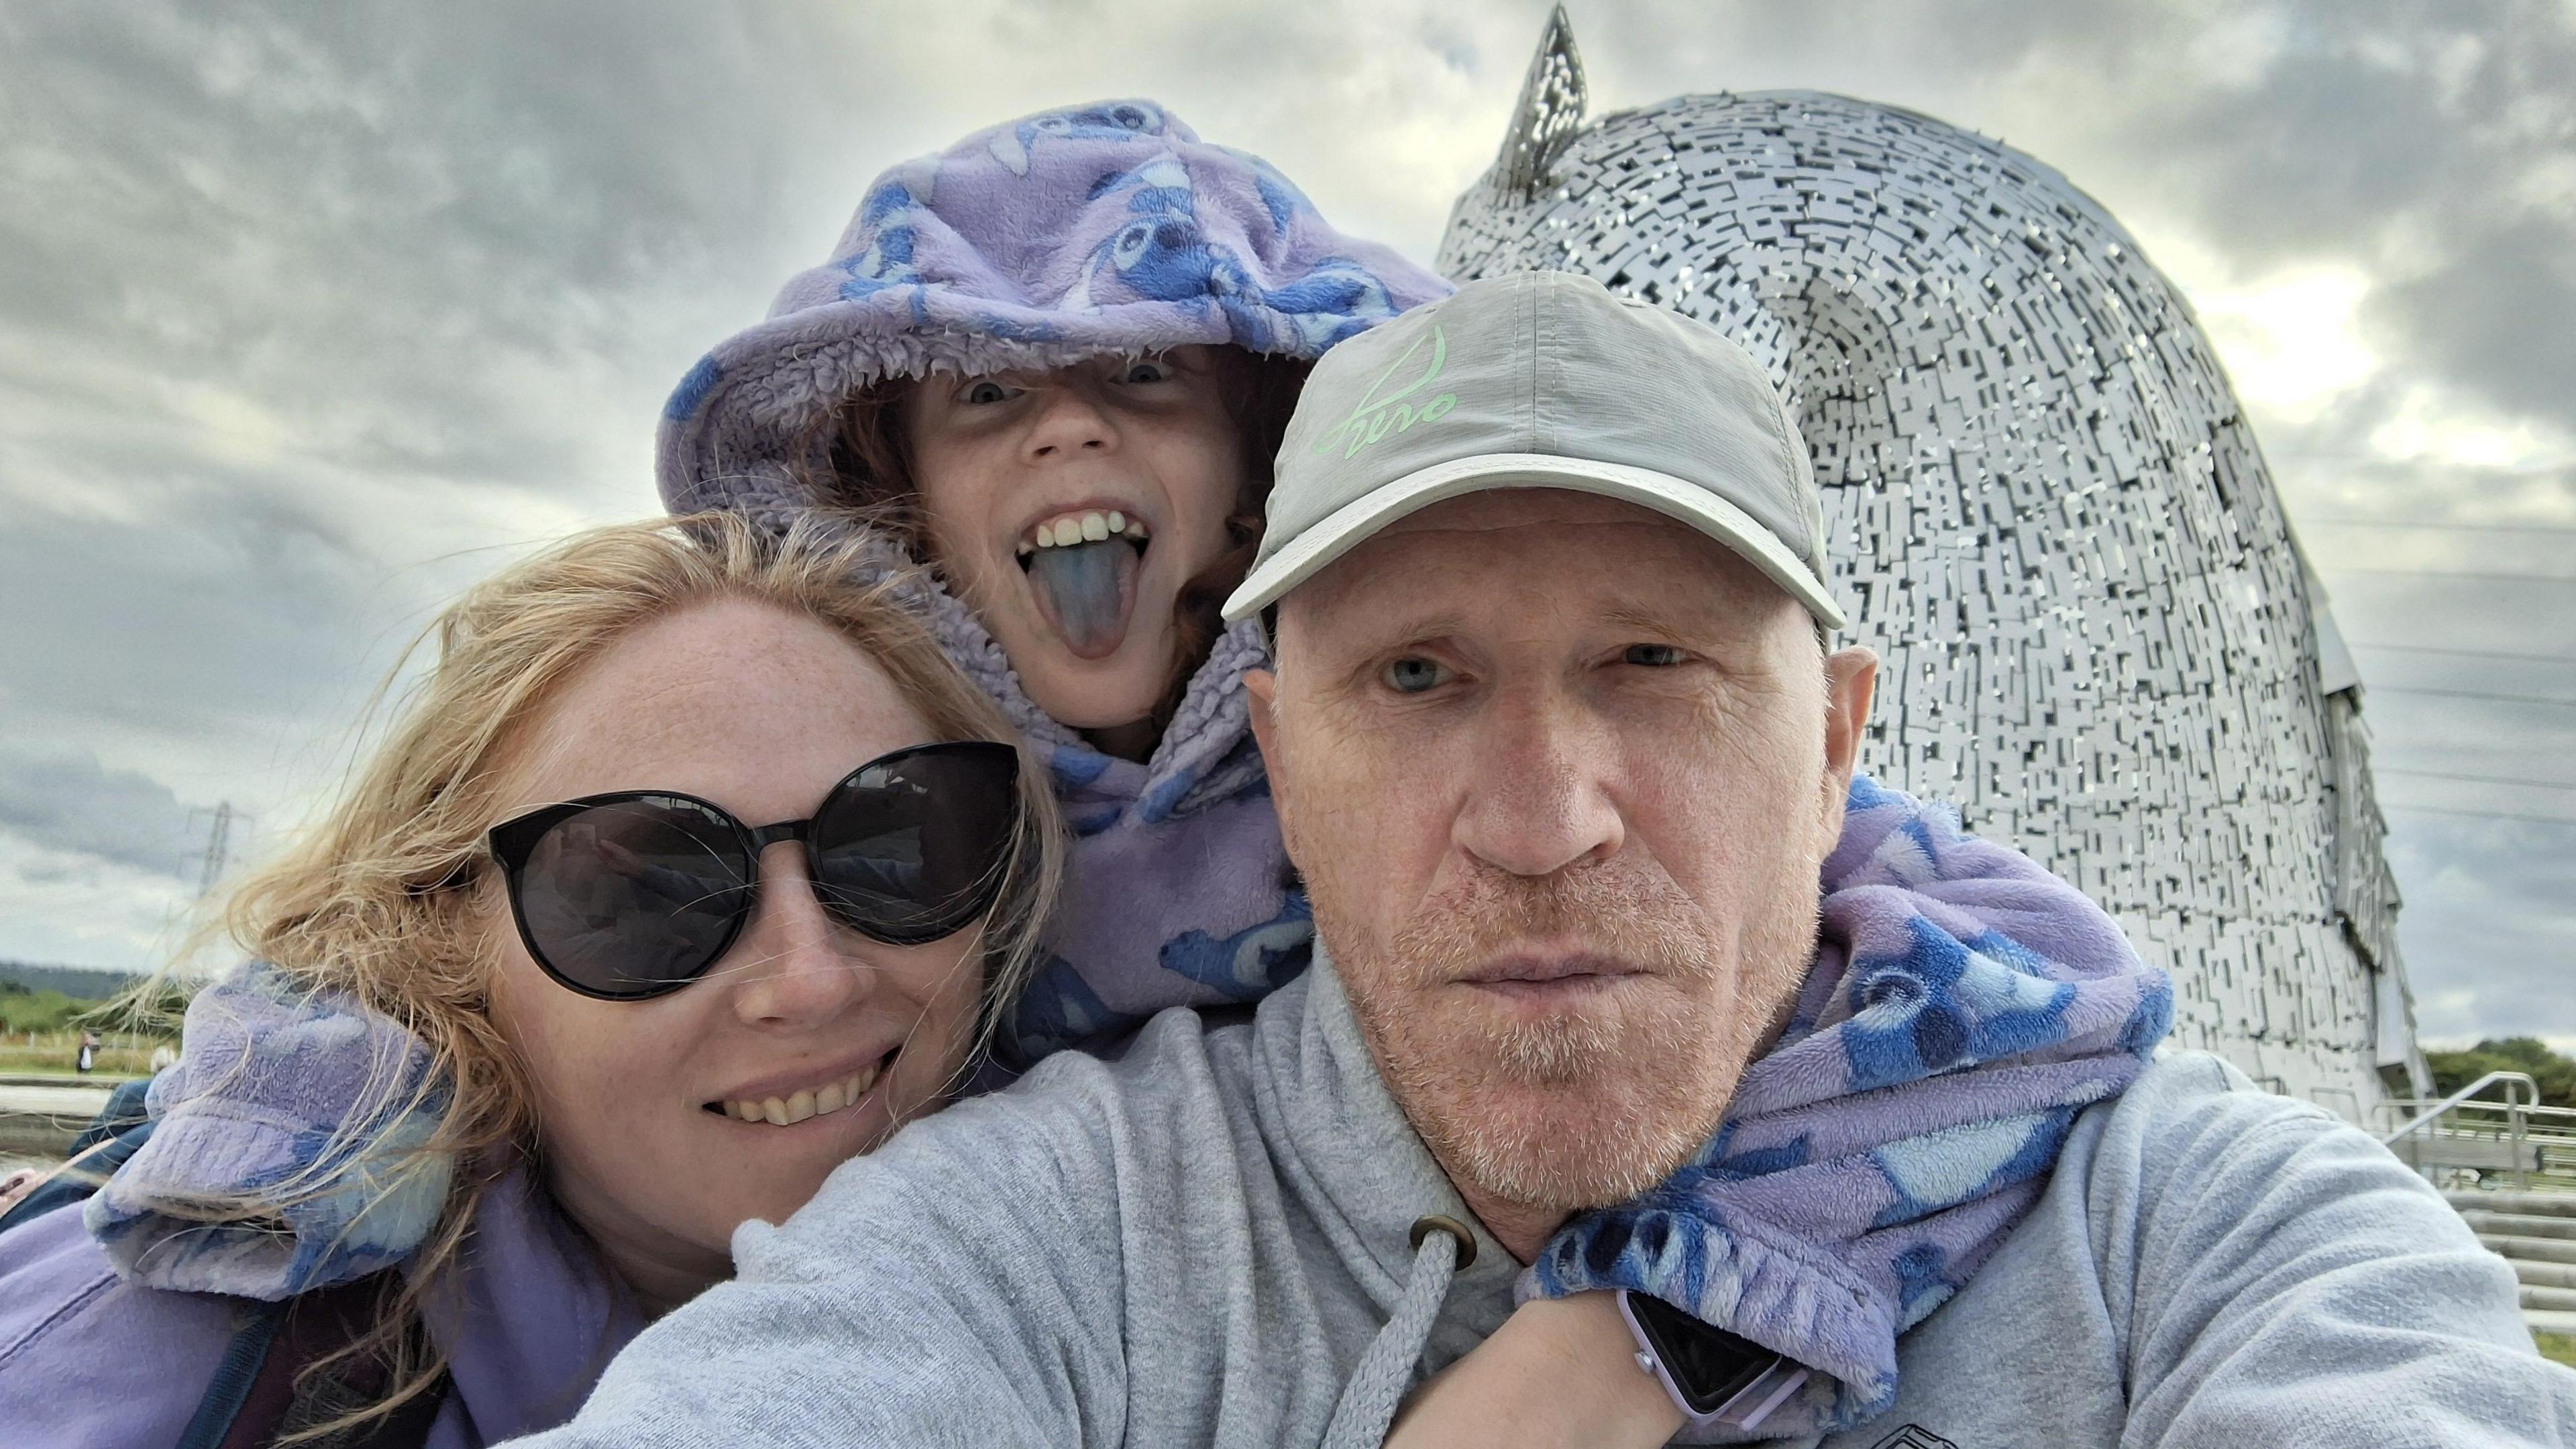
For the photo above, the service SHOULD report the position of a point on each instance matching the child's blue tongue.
(1084, 588)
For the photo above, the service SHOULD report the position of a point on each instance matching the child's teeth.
(1089, 527)
(828, 1099)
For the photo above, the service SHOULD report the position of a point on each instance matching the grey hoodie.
(1198, 1243)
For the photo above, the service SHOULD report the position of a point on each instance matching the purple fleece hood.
(1107, 228)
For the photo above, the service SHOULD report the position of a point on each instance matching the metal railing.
(2470, 1134)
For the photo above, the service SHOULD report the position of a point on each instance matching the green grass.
(122, 1054)
(2557, 1347)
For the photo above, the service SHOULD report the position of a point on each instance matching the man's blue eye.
(1412, 676)
(1652, 656)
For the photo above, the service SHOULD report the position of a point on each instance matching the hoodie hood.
(1106, 228)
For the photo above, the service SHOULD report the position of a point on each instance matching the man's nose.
(1070, 421)
(1537, 798)
(787, 969)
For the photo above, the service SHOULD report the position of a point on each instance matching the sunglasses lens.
(910, 849)
(633, 898)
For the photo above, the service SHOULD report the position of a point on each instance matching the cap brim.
(1347, 527)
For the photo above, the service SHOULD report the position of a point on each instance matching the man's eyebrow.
(1385, 630)
(1666, 621)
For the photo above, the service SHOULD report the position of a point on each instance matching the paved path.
(54, 1101)
(41, 1120)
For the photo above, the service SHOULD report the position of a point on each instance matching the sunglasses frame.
(512, 842)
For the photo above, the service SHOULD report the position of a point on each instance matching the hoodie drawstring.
(1442, 1246)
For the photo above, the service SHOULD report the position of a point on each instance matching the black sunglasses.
(637, 893)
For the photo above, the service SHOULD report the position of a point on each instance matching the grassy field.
(54, 1052)
(2557, 1347)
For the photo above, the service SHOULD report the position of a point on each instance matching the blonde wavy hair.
(378, 901)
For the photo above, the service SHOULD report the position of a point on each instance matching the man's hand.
(1559, 1371)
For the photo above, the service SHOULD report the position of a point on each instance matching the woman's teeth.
(790, 1110)
(1066, 529)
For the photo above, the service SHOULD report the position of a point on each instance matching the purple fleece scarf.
(1101, 229)
(279, 1088)
(1965, 1005)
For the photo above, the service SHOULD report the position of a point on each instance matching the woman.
(692, 870)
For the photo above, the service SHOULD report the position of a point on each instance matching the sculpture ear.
(1550, 111)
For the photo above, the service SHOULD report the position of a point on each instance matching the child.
(1056, 359)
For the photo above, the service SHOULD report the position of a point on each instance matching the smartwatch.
(1711, 1375)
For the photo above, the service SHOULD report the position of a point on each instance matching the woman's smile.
(819, 1095)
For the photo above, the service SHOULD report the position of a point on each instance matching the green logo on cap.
(1375, 417)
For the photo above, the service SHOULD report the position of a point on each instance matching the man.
(1562, 760)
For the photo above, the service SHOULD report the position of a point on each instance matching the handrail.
(2404, 1108)
(2438, 1109)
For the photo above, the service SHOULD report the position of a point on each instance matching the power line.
(2469, 694)
(2453, 574)
(2445, 527)
(2568, 821)
(2466, 653)
(2475, 779)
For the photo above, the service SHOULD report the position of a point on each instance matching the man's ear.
(1261, 686)
(1261, 695)
(1851, 681)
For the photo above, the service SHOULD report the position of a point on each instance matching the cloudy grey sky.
(311, 314)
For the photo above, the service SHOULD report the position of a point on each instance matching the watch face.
(1709, 1365)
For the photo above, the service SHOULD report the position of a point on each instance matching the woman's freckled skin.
(761, 712)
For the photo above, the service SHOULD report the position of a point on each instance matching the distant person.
(692, 870)
(164, 1057)
(1639, 1034)
(87, 1060)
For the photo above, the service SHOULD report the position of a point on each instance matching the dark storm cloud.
(381, 218)
(2498, 314)
(2501, 893)
(2409, 138)
(63, 800)
(2395, 131)
(211, 611)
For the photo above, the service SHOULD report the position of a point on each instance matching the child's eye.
(1150, 369)
(1652, 656)
(985, 391)
(1414, 674)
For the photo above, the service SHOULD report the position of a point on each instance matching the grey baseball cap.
(1542, 380)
